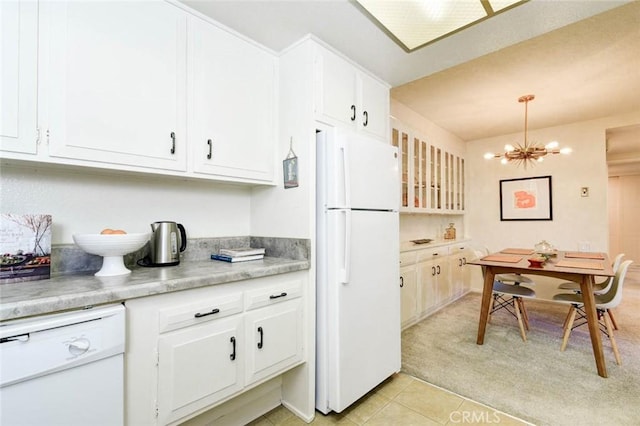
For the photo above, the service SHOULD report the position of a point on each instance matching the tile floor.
(401, 400)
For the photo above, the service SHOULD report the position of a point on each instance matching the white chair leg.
(567, 327)
(614, 346)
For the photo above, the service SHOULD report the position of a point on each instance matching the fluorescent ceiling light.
(415, 23)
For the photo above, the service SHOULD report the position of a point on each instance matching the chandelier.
(528, 152)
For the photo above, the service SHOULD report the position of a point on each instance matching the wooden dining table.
(580, 267)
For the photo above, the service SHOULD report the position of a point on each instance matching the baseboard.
(244, 408)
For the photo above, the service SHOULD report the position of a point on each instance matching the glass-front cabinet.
(432, 176)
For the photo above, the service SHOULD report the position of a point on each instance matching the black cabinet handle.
(353, 113)
(233, 353)
(261, 337)
(433, 271)
(464, 260)
(459, 262)
(366, 118)
(275, 296)
(210, 149)
(438, 267)
(173, 142)
(401, 282)
(213, 311)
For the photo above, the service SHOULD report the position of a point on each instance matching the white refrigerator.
(358, 292)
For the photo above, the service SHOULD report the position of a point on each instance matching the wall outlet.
(584, 191)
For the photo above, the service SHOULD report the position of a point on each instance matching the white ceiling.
(579, 57)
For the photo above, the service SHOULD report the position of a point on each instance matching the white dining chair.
(509, 295)
(599, 287)
(604, 302)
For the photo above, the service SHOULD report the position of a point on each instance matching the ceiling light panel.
(414, 23)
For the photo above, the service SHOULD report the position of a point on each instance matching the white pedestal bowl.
(112, 248)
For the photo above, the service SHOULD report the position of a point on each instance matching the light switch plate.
(584, 191)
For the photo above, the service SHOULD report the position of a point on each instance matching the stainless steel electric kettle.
(168, 239)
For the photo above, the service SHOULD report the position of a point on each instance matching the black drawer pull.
(275, 296)
(353, 113)
(210, 149)
(233, 354)
(200, 315)
(366, 118)
(173, 142)
(401, 282)
(261, 337)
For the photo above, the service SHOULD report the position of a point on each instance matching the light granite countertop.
(410, 246)
(71, 291)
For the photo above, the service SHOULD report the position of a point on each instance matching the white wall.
(85, 201)
(575, 219)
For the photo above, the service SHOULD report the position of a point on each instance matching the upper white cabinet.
(116, 82)
(146, 86)
(232, 86)
(349, 95)
(19, 73)
(432, 175)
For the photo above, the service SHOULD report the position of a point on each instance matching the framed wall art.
(290, 168)
(526, 199)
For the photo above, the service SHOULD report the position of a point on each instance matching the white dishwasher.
(63, 369)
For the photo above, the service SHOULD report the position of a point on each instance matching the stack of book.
(241, 254)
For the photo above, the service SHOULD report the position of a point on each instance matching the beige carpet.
(534, 380)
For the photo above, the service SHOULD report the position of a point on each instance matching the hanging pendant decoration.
(290, 168)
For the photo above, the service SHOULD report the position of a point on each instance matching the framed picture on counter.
(526, 199)
(25, 247)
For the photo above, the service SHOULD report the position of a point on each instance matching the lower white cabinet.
(430, 278)
(273, 337)
(460, 271)
(408, 293)
(434, 284)
(198, 366)
(192, 350)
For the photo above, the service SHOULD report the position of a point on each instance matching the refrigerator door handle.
(345, 173)
(345, 271)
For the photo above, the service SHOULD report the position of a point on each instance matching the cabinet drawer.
(434, 253)
(270, 295)
(407, 258)
(199, 311)
(458, 248)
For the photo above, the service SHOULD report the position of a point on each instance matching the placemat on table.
(502, 258)
(516, 251)
(579, 264)
(583, 255)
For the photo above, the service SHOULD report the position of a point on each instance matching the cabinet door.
(427, 290)
(274, 339)
(117, 82)
(337, 95)
(444, 287)
(374, 107)
(18, 88)
(400, 139)
(232, 94)
(435, 181)
(459, 271)
(408, 294)
(199, 365)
